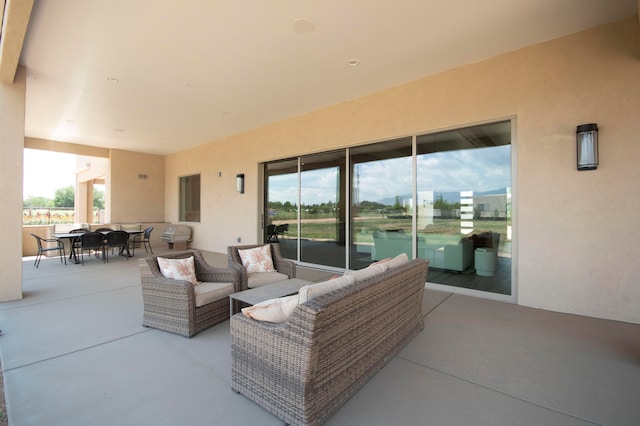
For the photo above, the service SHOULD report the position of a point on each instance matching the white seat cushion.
(211, 292)
(258, 279)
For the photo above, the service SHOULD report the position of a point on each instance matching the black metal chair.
(91, 241)
(104, 230)
(59, 247)
(75, 242)
(272, 236)
(280, 230)
(117, 239)
(144, 239)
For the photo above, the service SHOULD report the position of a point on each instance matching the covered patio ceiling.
(161, 76)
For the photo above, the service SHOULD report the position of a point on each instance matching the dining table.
(74, 236)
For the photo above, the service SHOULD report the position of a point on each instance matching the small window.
(190, 198)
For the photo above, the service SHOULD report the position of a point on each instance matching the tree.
(32, 202)
(397, 205)
(98, 199)
(65, 197)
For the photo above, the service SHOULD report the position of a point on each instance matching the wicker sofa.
(302, 370)
(172, 305)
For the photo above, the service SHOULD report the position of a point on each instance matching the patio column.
(12, 117)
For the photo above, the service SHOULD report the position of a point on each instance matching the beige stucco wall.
(138, 180)
(575, 247)
(12, 113)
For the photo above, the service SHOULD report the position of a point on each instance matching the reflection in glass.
(322, 210)
(464, 187)
(382, 202)
(281, 206)
(448, 199)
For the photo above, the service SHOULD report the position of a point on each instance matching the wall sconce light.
(587, 141)
(240, 183)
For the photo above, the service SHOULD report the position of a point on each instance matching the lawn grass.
(327, 229)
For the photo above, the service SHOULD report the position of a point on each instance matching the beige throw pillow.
(399, 260)
(369, 271)
(273, 310)
(178, 269)
(312, 291)
(257, 259)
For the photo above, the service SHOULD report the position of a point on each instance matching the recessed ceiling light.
(226, 114)
(353, 63)
(303, 26)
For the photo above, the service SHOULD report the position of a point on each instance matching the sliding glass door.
(281, 206)
(382, 202)
(464, 206)
(322, 209)
(442, 196)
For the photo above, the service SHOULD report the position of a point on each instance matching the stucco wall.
(12, 112)
(138, 180)
(575, 243)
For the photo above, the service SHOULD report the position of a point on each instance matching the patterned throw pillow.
(178, 269)
(257, 259)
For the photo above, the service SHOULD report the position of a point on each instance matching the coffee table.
(252, 296)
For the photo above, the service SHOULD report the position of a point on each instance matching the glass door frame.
(512, 298)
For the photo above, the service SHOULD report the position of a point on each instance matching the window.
(189, 199)
(444, 196)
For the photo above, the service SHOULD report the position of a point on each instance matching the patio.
(74, 352)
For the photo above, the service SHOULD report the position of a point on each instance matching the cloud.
(478, 170)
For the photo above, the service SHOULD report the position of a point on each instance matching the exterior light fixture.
(587, 146)
(240, 183)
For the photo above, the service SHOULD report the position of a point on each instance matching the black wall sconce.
(240, 183)
(587, 145)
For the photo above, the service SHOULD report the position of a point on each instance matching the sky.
(478, 170)
(46, 171)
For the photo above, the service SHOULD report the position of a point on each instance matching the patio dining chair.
(104, 230)
(59, 247)
(75, 243)
(144, 239)
(116, 239)
(91, 241)
(272, 236)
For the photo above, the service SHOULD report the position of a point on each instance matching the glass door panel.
(322, 209)
(281, 206)
(464, 206)
(381, 202)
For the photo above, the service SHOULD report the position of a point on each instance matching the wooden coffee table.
(250, 297)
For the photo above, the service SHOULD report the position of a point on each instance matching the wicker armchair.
(171, 305)
(285, 268)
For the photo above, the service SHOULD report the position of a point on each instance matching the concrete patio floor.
(74, 352)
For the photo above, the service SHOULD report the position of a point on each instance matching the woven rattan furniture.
(170, 304)
(304, 369)
(284, 268)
